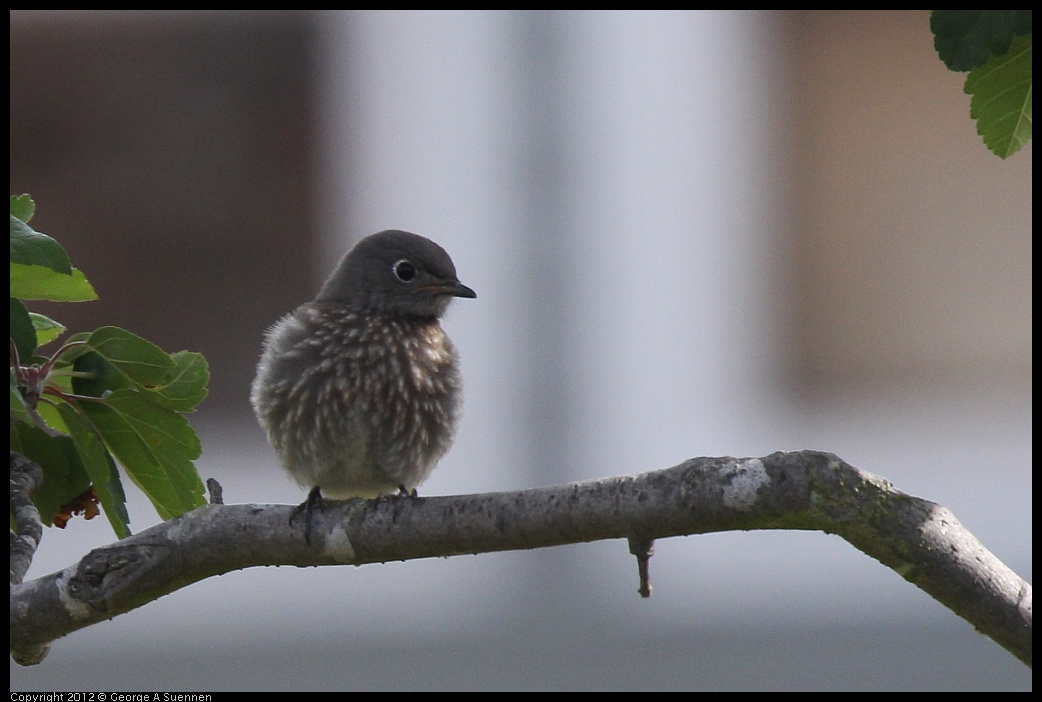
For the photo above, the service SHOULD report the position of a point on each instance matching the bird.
(359, 390)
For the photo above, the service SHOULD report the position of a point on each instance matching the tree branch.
(26, 476)
(806, 490)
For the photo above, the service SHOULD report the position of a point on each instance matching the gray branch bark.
(26, 476)
(807, 490)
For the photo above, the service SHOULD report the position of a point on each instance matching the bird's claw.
(307, 507)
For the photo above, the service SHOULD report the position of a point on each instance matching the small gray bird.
(359, 389)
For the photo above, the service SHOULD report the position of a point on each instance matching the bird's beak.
(451, 287)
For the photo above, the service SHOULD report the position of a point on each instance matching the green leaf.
(19, 410)
(22, 207)
(155, 446)
(32, 248)
(48, 412)
(42, 283)
(95, 376)
(120, 360)
(47, 330)
(966, 39)
(1001, 98)
(64, 477)
(100, 467)
(141, 362)
(23, 333)
(77, 337)
(187, 388)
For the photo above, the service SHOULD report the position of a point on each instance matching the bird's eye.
(404, 271)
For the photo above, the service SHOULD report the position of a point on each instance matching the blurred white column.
(667, 228)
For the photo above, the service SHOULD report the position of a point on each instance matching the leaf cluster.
(995, 47)
(101, 398)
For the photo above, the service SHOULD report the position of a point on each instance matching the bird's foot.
(307, 507)
(402, 493)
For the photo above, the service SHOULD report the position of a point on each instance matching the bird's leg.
(389, 497)
(314, 500)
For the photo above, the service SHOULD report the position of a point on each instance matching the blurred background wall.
(691, 233)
